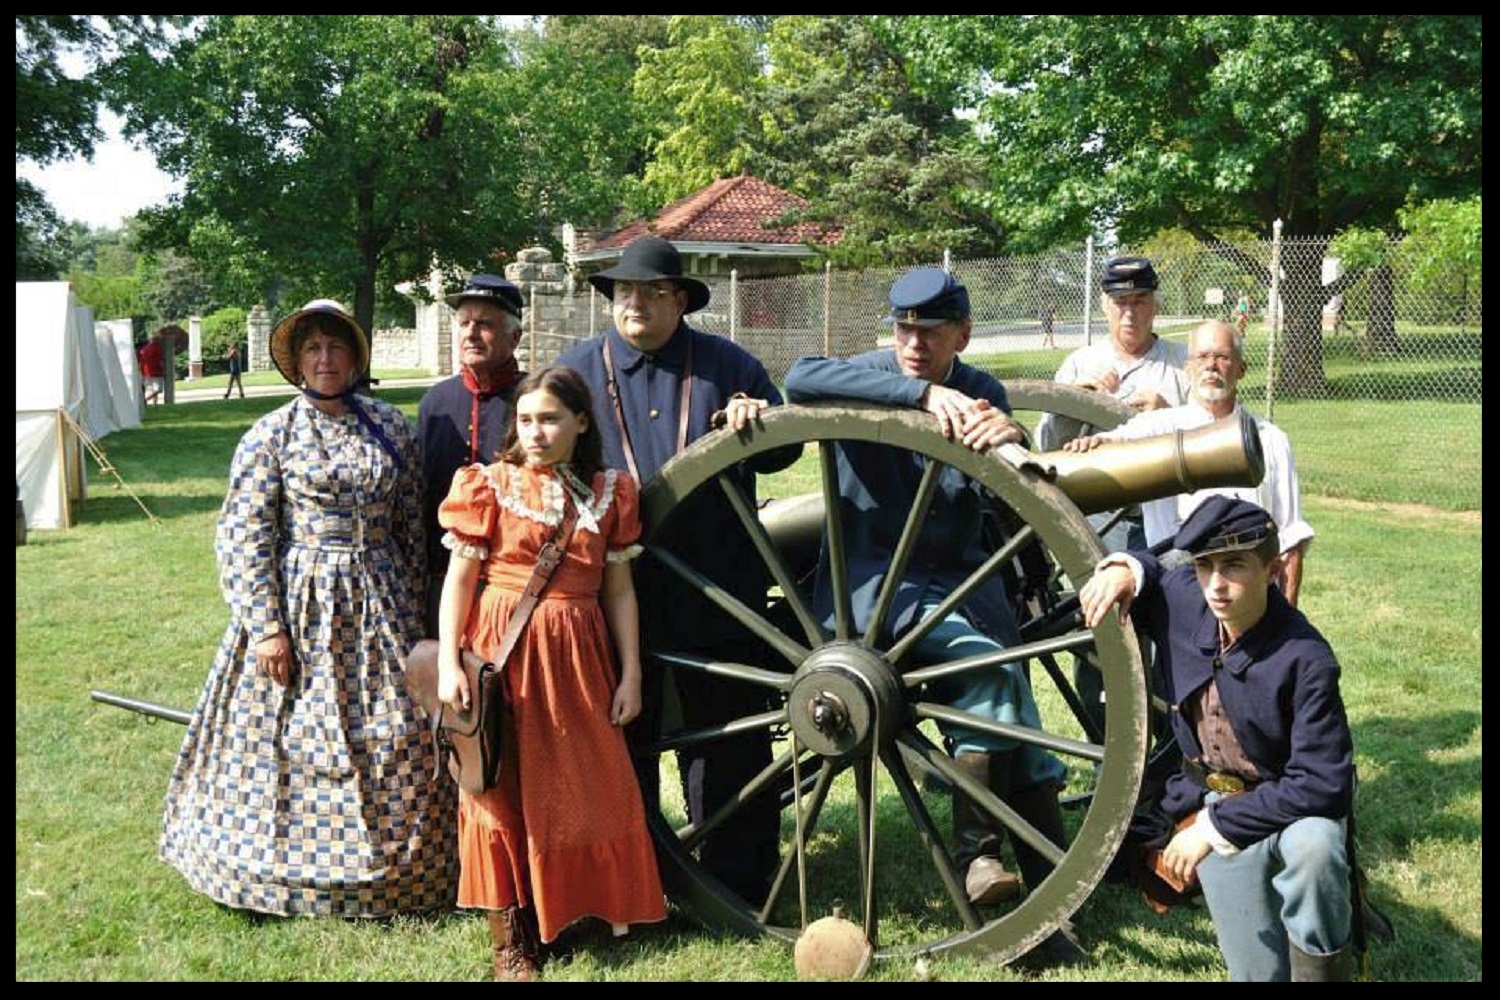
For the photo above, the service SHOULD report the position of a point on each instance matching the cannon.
(863, 783)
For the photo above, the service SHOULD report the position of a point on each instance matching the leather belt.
(1223, 782)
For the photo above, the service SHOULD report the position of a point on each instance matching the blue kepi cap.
(928, 296)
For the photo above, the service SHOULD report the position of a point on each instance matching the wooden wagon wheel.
(906, 891)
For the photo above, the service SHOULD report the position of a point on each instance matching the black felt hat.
(651, 258)
(1128, 275)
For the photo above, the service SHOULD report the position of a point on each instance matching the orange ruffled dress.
(569, 835)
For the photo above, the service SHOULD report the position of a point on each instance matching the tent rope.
(107, 468)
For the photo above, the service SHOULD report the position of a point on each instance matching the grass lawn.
(130, 604)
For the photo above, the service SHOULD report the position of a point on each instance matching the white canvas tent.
(58, 369)
(117, 355)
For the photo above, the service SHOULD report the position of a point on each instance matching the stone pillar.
(195, 348)
(547, 288)
(258, 339)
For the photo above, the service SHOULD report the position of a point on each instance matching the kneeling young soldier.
(1268, 760)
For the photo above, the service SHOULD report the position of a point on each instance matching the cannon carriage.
(863, 783)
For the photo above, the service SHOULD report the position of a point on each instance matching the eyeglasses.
(1211, 357)
(627, 289)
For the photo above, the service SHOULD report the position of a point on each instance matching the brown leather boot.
(1039, 807)
(515, 946)
(976, 845)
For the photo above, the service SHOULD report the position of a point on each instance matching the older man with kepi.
(462, 419)
(1216, 364)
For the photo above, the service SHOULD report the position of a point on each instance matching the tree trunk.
(1299, 360)
(1380, 328)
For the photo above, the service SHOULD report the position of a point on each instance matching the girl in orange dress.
(564, 837)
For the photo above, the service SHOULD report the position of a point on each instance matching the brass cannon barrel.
(1226, 452)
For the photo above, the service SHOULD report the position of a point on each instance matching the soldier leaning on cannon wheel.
(878, 485)
(1268, 760)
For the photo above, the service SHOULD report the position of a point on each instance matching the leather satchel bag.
(471, 742)
(474, 742)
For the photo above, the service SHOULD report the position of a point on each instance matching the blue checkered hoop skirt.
(322, 798)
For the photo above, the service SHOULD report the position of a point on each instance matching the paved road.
(185, 393)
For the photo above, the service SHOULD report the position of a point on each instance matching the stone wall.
(397, 347)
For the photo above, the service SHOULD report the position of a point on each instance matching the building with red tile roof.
(727, 226)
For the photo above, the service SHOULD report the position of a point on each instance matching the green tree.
(844, 128)
(57, 113)
(330, 155)
(575, 123)
(692, 101)
(1444, 252)
(1143, 122)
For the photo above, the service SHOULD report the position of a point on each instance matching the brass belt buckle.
(1224, 784)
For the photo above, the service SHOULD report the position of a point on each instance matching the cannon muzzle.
(1226, 452)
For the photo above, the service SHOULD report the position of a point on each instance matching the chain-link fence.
(1374, 372)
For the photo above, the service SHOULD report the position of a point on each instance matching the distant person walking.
(1242, 313)
(1048, 316)
(235, 370)
(152, 360)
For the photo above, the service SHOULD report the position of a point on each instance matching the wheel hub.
(846, 699)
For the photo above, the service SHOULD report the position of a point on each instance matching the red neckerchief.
(503, 382)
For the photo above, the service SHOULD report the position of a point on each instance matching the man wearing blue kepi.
(878, 486)
(1265, 792)
(462, 419)
(660, 385)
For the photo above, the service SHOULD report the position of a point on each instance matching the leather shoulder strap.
(547, 562)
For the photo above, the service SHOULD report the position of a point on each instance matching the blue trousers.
(1000, 693)
(1292, 887)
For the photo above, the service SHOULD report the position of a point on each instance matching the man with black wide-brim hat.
(660, 385)
(1266, 780)
(462, 419)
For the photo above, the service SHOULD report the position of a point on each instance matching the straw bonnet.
(283, 350)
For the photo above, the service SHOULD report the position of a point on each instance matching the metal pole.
(734, 304)
(828, 309)
(1275, 295)
(1088, 298)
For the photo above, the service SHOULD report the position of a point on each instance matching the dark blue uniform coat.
(1279, 685)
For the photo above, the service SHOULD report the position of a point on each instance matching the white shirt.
(1161, 370)
(1280, 492)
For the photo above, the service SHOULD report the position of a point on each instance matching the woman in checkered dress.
(307, 783)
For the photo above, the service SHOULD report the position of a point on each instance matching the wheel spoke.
(910, 533)
(726, 668)
(998, 810)
(997, 658)
(903, 647)
(1008, 730)
(812, 809)
(927, 830)
(838, 558)
(1070, 695)
(693, 835)
(767, 549)
(748, 617)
